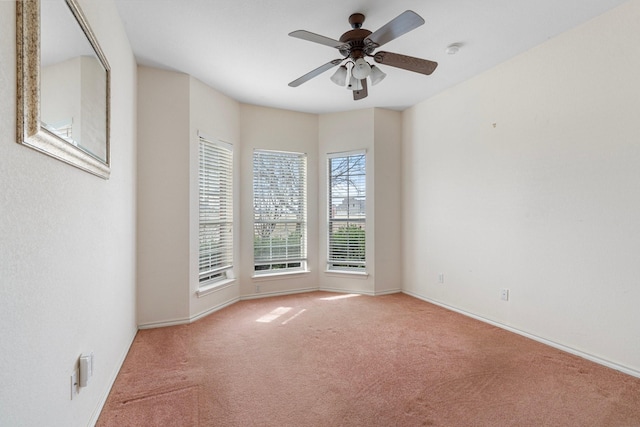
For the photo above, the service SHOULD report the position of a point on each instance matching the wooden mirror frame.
(30, 132)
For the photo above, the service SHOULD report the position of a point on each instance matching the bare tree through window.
(279, 204)
(347, 212)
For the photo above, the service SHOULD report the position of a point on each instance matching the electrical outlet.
(86, 369)
(504, 294)
(74, 383)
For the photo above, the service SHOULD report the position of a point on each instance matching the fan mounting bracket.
(356, 20)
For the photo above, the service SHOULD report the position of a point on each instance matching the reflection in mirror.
(73, 89)
(63, 85)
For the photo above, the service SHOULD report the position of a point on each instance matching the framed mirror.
(63, 85)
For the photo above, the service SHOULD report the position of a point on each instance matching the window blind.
(347, 212)
(280, 211)
(215, 210)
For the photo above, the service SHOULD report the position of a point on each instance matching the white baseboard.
(276, 293)
(609, 364)
(96, 413)
(349, 291)
(345, 291)
(388, 292)
(164, 323)
(213, 309)
(187, 320)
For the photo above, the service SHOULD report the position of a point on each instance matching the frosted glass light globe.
(361, 69)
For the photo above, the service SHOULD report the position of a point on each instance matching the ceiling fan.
(357, 44)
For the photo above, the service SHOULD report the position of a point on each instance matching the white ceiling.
(242, 47)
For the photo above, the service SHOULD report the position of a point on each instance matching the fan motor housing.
(355, 40)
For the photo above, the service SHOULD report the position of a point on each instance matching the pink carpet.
(322, 359)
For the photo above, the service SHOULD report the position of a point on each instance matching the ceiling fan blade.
(403, 23)
(317, 38)
(405, 62)
(360, 94)
(311, 74)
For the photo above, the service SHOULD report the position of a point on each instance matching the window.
(347, 212)
(280, 212)
(215, 211)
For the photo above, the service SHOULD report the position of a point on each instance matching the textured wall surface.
(527, 178)
(67, 250)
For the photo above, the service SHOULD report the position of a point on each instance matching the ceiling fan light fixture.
(361, 69)
(354, 83)
(377, 75)
(340, 76)
(358, 44)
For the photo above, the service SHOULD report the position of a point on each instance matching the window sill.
(274, 276)
(356, 274)
(214, 287)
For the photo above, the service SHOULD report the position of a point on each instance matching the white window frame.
(215, 211)
(358, 266)
(283, 262)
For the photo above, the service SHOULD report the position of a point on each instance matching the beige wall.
(94, 107)
(388, 200)
(523, 178)
(67, 250)
(526, 178)
(173, 108)
(344, 132)
(60, 92)
(74, 92)
(280, 130)
(217, 116)
(163, 196)
(378, 132)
